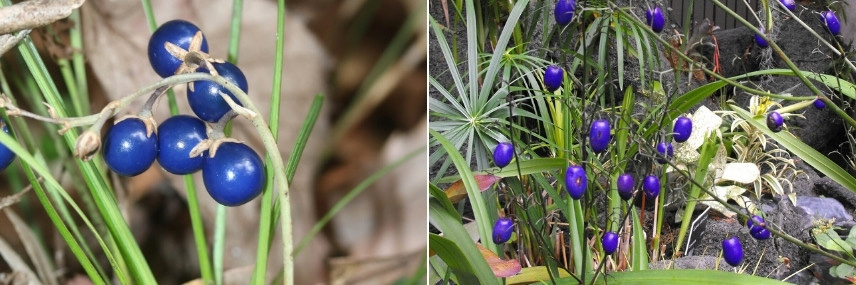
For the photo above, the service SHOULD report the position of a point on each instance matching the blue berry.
(205, 100)
(625, 186)
(599, 135)
(666, 152)
(6, 154)
(502, 230)
(177, 32)
(818, 104)
(790, 4)
(682, 129)
(654, 19)
(757, 227)
(576, 181)
(775, 122)
(178, 135)
(732, 251)
(234, 175)
(831, 22)
(609, 242)
(651, 185)
(503, 153)
(553, 78)
(760, 40)
(128, 149)
(564, 11)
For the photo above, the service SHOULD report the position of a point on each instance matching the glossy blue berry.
(818, 104)
(682, 129)
(790, 4)
(177, 32)
(599, 135)
(775, 122)
(760, 233)
(553, 78)
(503, 153)
(205, 100)
(128, 149)
(6, 154)
(609, 242)
(732, 251)
(564, 11)
(755, 222)
(651, 185)
(576, 181)
(665, 151)
(502, 230)
(832, 23)
(177, 135)
(654, 19)
(757, 228)
(625, 186)
(760, 41)
(234, 175)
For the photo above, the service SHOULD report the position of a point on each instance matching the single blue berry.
(818, 104)
(655, 19)
(790, 4)
(503, 153)
(757, 227)
(651, 185)
(564, 11)
(502, 230)
(682, 129)
(234, 175)
(832, 23)
(760, 41)
(625, 186)
(205, 99)
(732, 251)
(576, 181)
(775, 122)
(128, 148)
(177, 32)
(599, 135)
(666, 152)
(6, 154)
(553, 77)
(760, 233)
(177, 135)
(609, 242)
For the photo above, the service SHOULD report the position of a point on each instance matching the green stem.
(265, 224)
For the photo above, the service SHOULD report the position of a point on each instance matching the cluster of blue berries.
(232, 172)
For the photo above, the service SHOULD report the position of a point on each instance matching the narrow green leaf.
(639, 254)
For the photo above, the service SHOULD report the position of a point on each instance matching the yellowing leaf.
(501, 268)
(456, 192)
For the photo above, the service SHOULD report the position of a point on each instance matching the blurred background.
(368, 58)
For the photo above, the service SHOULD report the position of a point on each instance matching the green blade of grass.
(485, 225)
